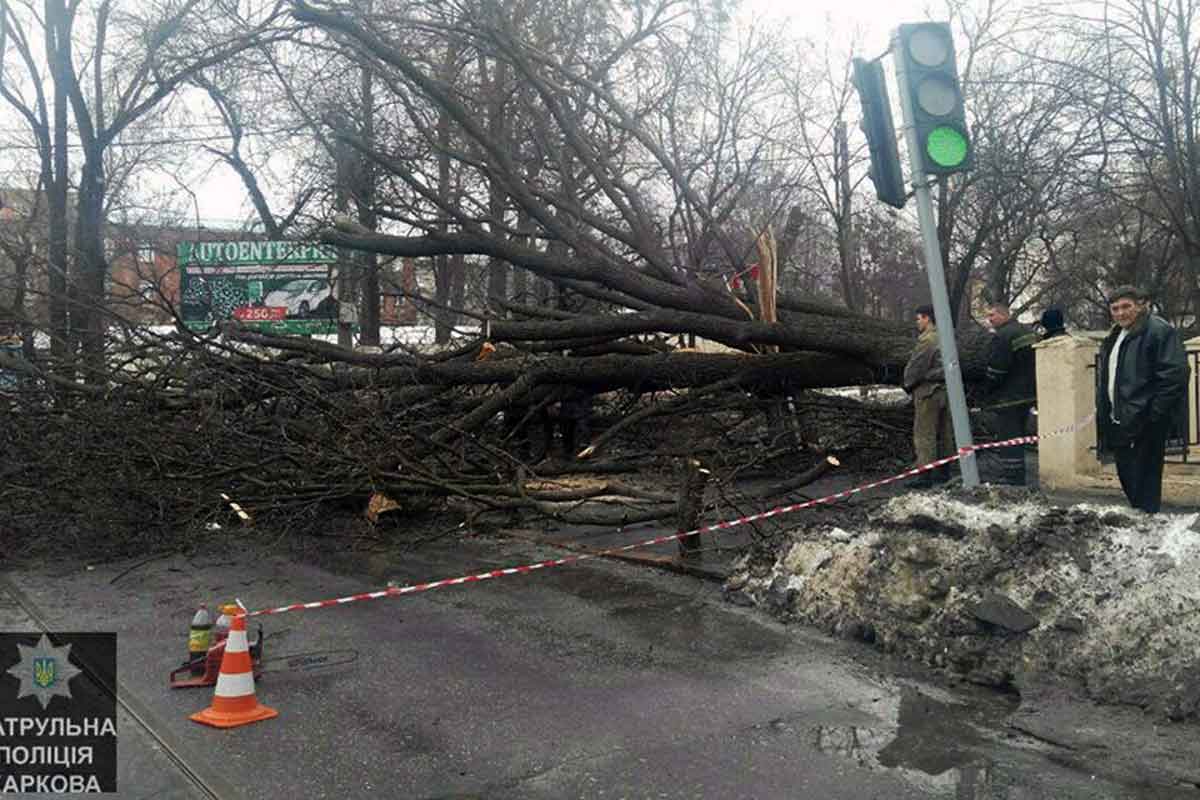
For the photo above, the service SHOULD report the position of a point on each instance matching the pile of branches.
(296, 430)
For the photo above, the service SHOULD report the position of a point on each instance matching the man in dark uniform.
(1012, 385)
(1141, 394)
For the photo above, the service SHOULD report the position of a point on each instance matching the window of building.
(146, 253)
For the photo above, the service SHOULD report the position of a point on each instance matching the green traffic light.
(946, 146)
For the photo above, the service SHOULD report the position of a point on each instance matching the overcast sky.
(874, 18)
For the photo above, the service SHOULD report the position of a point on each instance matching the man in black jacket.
(1052, 323)
(1012, 385)
(1141, 394)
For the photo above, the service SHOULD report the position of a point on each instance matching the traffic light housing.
(935, 97)
(877, 124)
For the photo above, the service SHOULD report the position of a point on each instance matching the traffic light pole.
(937, 280)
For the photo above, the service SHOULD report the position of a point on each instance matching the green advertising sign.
(276, 286)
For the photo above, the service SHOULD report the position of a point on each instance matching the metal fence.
(1193, 435)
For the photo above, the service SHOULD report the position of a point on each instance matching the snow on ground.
(882, 395)
(416, 336)
(949, 509)
(1004, 588)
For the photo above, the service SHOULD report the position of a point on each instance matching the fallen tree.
(562, 207)
(597, 232)
(292, 430)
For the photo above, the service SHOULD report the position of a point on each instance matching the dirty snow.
(969, 516)
(1115, 592)
(1179, 538)
(839, 534)
(881, 394)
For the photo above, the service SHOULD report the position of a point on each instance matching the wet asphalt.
(595, 680)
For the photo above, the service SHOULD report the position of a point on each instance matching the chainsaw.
(205, 672)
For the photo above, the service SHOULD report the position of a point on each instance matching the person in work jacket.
(1012, 387)
(933, 435)
(1141, 395)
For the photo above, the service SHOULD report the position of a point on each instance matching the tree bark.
(365, 197)
(57, 175)
(92, 267)
(691, 507)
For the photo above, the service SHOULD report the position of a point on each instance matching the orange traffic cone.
(234, 702)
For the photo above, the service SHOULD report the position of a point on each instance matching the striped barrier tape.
(396, 591)
(1065, 429)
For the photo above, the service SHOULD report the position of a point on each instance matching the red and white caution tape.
(396, 591)
(1072, 428)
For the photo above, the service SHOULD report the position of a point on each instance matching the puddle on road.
(943, 749)
(930, 743)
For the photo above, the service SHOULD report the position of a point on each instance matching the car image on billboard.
(302, 297)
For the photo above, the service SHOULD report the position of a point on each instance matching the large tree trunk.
(458, 285)
(691, 506)
(847, 246)
(347, 285)
(58, 55)
(91, 304)
(365, 193)
(497, 285)
(442, 272)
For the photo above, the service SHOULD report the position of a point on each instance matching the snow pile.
(952, 511)
(1001, 587)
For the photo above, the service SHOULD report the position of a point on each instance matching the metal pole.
(937, 280)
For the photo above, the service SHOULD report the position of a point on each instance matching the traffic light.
(931, 77)
(881, 133)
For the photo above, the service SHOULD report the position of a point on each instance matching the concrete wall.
(1066, 394)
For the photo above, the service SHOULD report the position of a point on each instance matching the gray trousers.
(933, 433)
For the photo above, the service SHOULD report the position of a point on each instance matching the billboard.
(273, 286)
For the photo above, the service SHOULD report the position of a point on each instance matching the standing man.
(1012, 387)
(1141, 394)
(1052, 323)
(933, 436)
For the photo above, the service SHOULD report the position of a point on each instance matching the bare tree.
(109, 67)
(1129, 68)
(822, 96)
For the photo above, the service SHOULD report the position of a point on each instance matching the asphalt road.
(597, 680)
